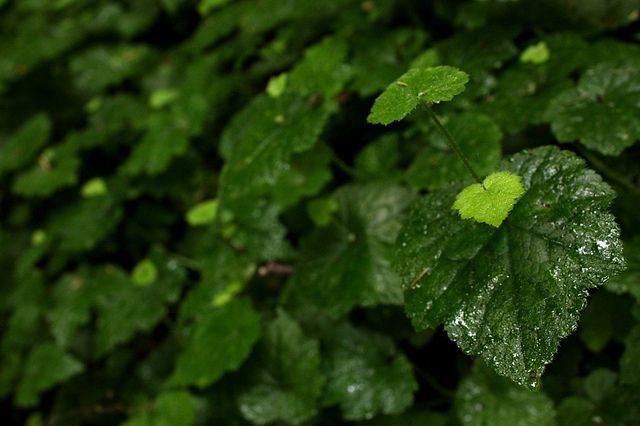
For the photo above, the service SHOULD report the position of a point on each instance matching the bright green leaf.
(535, 54)
(277, 84)
(145, 273)
(509, 294)
(202, 213)
(491, 201)
(418, 85)
(94, 188)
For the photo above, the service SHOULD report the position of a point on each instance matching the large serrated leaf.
(510, 294)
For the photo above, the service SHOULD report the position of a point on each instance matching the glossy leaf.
(510, 294)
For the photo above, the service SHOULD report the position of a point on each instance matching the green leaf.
(234, 327)
(145, 273)
(535, 54)
(101, 67)
(418, 85)
(23, 145)
(46, 366)
(57, 168)
(437, 166)
(322, 70)
(603, 402)
(202, 213)
(509, 294)
(321, 210)
(288, 381)
(485, 398)
(607, 317)
(602, 111)
(153, 154)
(277, 84)
(367, 374)
(94, 188)
(348, 262)
(491, 201)
(207, 6)
(628, 281)
(171, 408)
(379, 158)
(630, 360)
(80, 226)
(125, 308)
(263, 137)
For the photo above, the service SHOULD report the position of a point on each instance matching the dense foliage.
(252, 212)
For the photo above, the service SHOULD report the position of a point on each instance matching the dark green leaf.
(602, 111)
(437, 166)
(46, 366)
(485, 398)
(367, 375)
(234, 327)
(288, 380)
(509, 294)
(348, 262)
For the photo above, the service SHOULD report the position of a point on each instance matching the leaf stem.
(454, 146)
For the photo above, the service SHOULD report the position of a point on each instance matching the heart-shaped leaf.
(492, 201)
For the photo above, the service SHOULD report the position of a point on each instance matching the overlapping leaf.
(510, 294)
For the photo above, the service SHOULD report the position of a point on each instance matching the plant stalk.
(454, 146)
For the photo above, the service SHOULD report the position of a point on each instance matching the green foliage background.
(198, 225)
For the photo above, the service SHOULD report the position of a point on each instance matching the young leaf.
(233, 327)
(202, 213)
(535, 54)
(418, 85)
(288, 381)
(491, 201)
(509, 294)
(367, 374)
(602, 112)
(485, 398)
